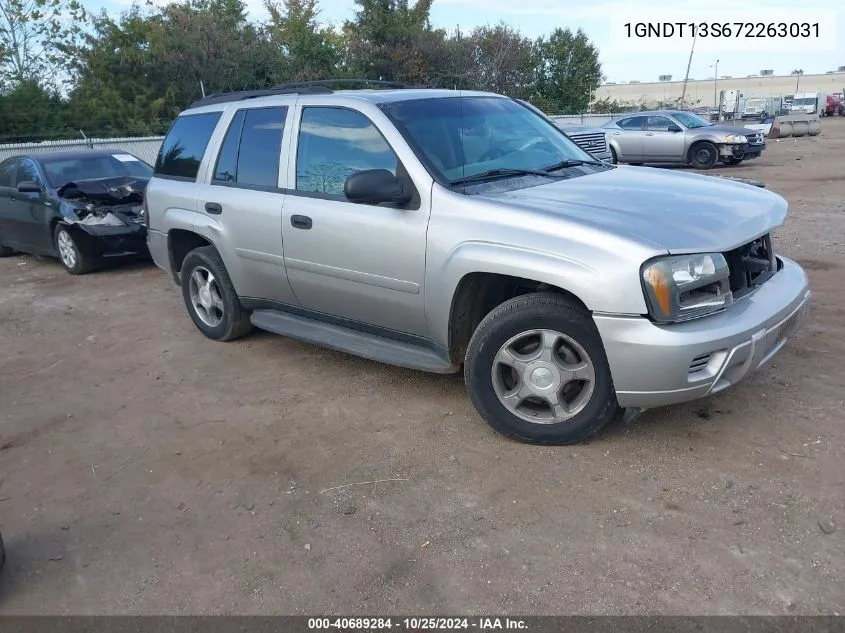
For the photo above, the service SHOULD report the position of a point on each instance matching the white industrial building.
(702, 92)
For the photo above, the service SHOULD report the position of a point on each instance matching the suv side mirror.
(27, 186)
(675, 128)
(374, 186)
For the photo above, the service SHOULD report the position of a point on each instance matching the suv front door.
(240, 205)
(663, 140)
(361, 263)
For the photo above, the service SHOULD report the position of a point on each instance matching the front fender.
(619, 292)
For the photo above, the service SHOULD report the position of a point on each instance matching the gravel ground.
(145, 469)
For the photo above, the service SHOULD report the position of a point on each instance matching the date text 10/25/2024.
(416, 624)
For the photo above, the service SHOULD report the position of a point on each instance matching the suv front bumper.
(654, 365)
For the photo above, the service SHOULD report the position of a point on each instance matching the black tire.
(234, 321)
(703, 155)
(613, 158)
(78, 263)
(733, 161)
(523, 314)
(5, 251)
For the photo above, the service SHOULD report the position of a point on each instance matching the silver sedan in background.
(677, 136)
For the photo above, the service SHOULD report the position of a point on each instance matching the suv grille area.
(594, 143)
(751, 265)
(755, 139)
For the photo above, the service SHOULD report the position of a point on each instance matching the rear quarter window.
(183, 148)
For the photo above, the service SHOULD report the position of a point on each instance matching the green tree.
(309, 50)
(34, 35)
(137, 72)
(393, 40)
(29, 112)
(500, 59)
(568, 71)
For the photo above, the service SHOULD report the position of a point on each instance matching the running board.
(355, 342)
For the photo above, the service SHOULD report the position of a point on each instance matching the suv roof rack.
(319, 83)
(319, 86)
(240, 95)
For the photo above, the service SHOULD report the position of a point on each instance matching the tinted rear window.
(182, 150)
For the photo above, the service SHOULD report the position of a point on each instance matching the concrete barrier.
(796, 125)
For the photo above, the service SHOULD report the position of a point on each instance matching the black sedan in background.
(80, 206)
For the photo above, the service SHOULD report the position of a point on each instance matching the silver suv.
(442, 230)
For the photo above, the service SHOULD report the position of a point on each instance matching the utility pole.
(686, 77)
(716, 85)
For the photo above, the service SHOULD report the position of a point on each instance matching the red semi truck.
(834, 104)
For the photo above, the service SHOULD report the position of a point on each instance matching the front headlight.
(736, 138)
(684, 287)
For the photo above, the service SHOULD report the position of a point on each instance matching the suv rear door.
(240, 201)
(363, 263)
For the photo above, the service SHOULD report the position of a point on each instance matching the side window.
(632, 123)
(227, 160)
(334, 143)
(658, 124)
(183, 147)
(28, 172)
(252, 148)
(7, 172)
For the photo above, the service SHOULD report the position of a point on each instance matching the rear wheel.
(703, 155)
(210, 296)
(536, 371)
(75, 261)
(5, 251)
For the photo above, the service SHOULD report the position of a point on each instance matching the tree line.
(64, 72)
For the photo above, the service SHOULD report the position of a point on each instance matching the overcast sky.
(623, 58)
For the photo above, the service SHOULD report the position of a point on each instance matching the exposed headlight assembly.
(683, 287)
(736, 138)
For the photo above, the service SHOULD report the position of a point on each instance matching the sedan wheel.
(703, 155)
(70, 255)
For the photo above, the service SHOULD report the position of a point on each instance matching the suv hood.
(676, 211)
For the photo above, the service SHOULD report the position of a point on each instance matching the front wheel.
(536, 371)
(703, 155)
(75, 261)
(210, 296)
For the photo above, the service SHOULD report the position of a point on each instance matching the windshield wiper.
(573, 162)
(494, 174)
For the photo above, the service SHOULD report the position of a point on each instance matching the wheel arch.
(180, 242)
(478, 276)
(479, 293)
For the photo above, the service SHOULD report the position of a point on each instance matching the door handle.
(300, 222)
(649, 133)
(213, 208)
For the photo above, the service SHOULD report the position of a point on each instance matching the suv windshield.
(461, 137)
(691, 121)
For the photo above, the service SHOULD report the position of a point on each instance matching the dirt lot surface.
(145, 469)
